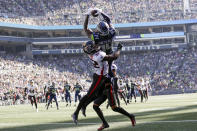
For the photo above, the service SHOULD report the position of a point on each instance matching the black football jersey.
(105, 42)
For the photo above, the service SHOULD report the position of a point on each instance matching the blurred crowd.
(70, 12)
(170, 69)
(17, 71)
(163, 69)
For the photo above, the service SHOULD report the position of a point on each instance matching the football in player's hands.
(94, 13)
(120, 46)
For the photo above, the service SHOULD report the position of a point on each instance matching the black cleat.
(83, 109)
(74, 116)
(103, 126)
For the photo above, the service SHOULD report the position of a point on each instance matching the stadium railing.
(59, 40)
(126, 48)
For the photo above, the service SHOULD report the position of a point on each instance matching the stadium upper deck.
(70, 12)
(52, 39)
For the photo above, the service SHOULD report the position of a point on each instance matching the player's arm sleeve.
(106, 18)
(85, 27)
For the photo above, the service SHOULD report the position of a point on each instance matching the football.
(94, 13)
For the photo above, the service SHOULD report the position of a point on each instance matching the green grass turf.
(159, 113)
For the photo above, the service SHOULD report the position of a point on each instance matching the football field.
(159, 113)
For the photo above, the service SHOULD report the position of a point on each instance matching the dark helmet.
(103, 28)
(90, 48)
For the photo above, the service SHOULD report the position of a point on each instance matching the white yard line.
(94, 123)
(154, 109)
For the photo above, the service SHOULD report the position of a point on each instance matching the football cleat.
(132, 118)
(83, 111)
(74, 117)
(103, 126)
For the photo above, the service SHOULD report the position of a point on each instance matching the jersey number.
(95, 64)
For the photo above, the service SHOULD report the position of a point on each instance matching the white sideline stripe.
(92, 123)
(155, 109)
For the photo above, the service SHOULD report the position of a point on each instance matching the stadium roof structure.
(79, 27)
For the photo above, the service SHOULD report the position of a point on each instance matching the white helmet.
(113, 67)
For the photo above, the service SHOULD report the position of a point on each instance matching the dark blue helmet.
(90, 48)
(103, 28)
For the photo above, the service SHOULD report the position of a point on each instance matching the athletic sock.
(100, 114)
(122, 111)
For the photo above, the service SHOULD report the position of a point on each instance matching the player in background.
(115, 83)
(77, 88)
(122, 90)
(46, 92)
(147, 87)
(32, 90)
(67, 90)
(132, 91)
(52, 92)
(141, 88)
(128, 91)
(102, 59)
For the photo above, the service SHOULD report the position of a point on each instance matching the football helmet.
(103, 28)
(90, 48)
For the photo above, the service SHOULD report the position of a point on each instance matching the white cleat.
(36, 110)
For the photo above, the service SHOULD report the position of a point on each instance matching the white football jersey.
(121, 85)
(31, 90)
(100, 66)
(142, 85)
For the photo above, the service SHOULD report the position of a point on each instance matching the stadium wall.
(80, 27)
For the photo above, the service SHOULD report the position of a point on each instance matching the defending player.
(53, 91)
(132, 91)
(108, 92)
(101, 69)
(31, 89)
(101, 59)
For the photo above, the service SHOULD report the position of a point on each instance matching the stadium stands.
(61, 12)
(165, 70)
